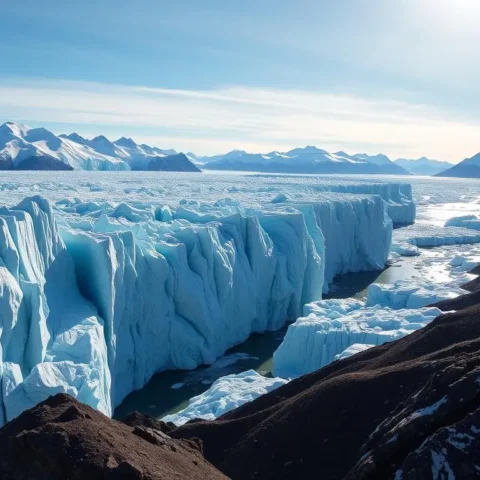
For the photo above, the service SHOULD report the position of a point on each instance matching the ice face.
(52, 339)
(329, 327)
(353, 350)
(97, 296)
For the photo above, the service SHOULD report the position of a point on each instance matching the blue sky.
(359, 75)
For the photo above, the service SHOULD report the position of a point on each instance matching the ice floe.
(225, 394)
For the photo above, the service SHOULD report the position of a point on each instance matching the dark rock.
(6, 164)
(141, 419)
(63, 439)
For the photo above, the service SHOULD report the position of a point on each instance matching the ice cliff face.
(329, 327)
(52, 339)
(116, 292)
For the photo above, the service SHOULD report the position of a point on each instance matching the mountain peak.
(13, 128)
(125, 142)
(101, 139)
(75, 137)
(309, 150)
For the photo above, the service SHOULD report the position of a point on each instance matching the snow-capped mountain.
(469, 168)
(423, 165)
(304, 160)
(22, 146)
(26, 148)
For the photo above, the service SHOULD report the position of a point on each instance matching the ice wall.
(329, 327)
(398, 197)
(95, 306)
(52, 340)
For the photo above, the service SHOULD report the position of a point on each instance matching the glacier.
(98, 295)
(353, 350)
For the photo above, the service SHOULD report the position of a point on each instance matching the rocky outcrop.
(61, 438)
(434, 433)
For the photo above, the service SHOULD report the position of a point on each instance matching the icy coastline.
(99, 296)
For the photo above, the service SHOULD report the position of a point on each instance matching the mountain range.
(469, 168)
(25, 148)
(423, 165)
(304, 160)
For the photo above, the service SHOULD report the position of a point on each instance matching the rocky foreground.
(63, 439)
(409, 409)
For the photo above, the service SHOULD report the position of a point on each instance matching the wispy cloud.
(212, 121)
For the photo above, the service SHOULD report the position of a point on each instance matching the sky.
(397, 77)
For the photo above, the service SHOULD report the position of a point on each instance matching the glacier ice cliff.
(52, 339)
(329, 327)
(97, 296)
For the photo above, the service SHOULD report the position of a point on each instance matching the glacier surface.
(99, 295)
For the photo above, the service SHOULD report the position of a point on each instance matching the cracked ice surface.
(99, 293)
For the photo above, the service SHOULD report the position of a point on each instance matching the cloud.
(257, 119)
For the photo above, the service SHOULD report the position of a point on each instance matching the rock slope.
(63, 438)
(392, 411)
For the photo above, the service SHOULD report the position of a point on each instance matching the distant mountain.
(423, 165)
(304, 160)
(383, 162)
(42, 150)
(168, 163)
(25, 148)
(469, 168)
